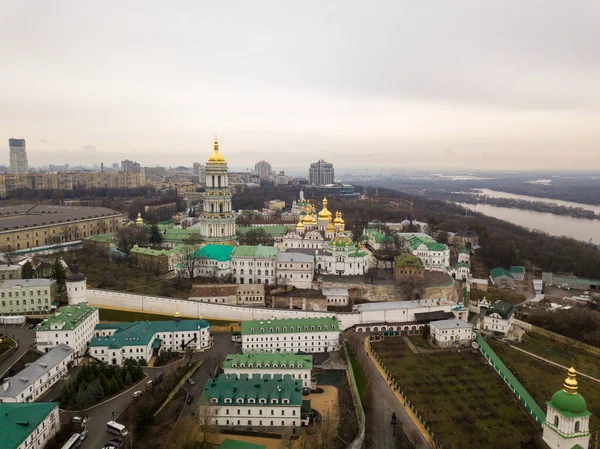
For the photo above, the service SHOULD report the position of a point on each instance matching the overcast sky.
(504, 84)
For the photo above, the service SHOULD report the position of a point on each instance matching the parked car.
(189, 399)
(137, 394)
(78, 420)
(191, 381)
(84, 434)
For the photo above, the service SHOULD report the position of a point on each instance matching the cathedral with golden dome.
(217, 222)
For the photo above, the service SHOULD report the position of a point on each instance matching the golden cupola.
(216, 157)
(329, 227)
(337, 218)
(139, 220)
(300, 225)
(325, 214)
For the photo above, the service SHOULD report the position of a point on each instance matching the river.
(498, 194)
(559, 225)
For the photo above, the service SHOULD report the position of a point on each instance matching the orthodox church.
(567, 418)
(217, 222)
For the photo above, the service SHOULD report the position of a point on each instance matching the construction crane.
(412, 203)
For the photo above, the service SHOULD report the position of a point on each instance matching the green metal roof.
(463, 265)
(464, 251)
(289, 325)
(502, 308)
(379, 236)
(179, 249)
(274, 360)
(253, 387)
(178, 235)
(408, 260)
(569, 405)
(254, 251)
(105, 238)
(499, 271)
(222, 253)
(140, 333)
(416, 241)
(235, 444)
(68, 317)
(517, 269)
(20, 420)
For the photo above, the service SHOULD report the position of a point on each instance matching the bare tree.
(200, 433)
(188, 260)
(410, 285)
(286, 438)
(211, 364)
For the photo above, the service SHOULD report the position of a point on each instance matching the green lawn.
(498, 294)
(543, 380)
(561, 353)
(459, 396)
(109, 315)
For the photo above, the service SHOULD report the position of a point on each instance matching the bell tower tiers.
(217, 222)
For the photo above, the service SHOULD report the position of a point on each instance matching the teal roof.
(290, 325)
(235, 444)
(254, 251)
(20, 420)
(416, 241)
(141, 333)
(287, 360)
(499, 271)
(222, 253)
(68, 317)
(517, 269)
(255, 387)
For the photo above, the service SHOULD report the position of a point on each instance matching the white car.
(137, 394)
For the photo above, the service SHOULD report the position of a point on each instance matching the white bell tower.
(76, 285)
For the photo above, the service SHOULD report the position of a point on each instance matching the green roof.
(464, 251)
(20, 420)
(278, 230)
(463, 265)
(290, 325)
(235, 444)
(68, 317)
(222, 253)
(179, 249)
(415, 241)
(502, 308)
(178, 235)
(379, 236)
(140, 333)
(105, 238)
(517, 269)
(254, 251)
(341, 241)
(254, 387)
(280, 359)
(408, 260)
(569, 405)
(499, 271)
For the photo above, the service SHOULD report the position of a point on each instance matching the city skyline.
(88, 84)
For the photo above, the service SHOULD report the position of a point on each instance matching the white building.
(336, 296)
(295, 269)
(342, 257)
(142, 340)
(28, 425)
(18, 296)
(435, 256)
(76, 284)
(296, 334)
(270, 364)
(269, 403)
(464, 256)
(498, 318)
(253, 264)
(71, 325)
(250, 295)
(567, 423)
(37, 377)
(301, 239)
(215, 293)
(18, 157)
(451, 333)
(210, 261)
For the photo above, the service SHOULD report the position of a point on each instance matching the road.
(378, 425)
(24, 336)
(101, 414)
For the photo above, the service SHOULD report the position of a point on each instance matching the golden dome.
(177, 314)
(299, 225)
(570, 385)
(341, 219)
(139, 220)
(324, 214)
(337, 218)
(329, 227)
(216, 155)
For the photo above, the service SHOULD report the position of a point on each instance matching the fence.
(517, 388)
(360, 438)
(558, 337)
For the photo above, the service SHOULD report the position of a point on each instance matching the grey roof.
(451, 324)
(9, 283)
(27, 215)
(294, 257)
(12, 267)
(334, 291)
(391, 305)
(32, 372)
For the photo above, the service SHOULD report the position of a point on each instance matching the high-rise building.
(263, 170)
(199, 173)
(217, 222)
(128, 166)
(321, 173)
(18, 157)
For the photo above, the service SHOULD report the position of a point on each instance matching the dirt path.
(379, 428)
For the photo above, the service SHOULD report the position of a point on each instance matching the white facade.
(211, 268)
(564, 432)
(44, 431)
(495, 322)
(336, 296)
(36, 378)
(295, 269)
(256, 266)
(464, 257)
(256, 364)
(446, 333)
(69, 326)
(25, 295)
(433, 260)
(304, 240)
(251, 295)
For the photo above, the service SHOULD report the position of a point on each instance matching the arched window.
(221, 207)
(219, 180)
(556, 421)
(576, 426)
(213, 181)
(259, 272)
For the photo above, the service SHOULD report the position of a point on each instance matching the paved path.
(385, 401)
(550, 362)
(409, 343)
(24, 336)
